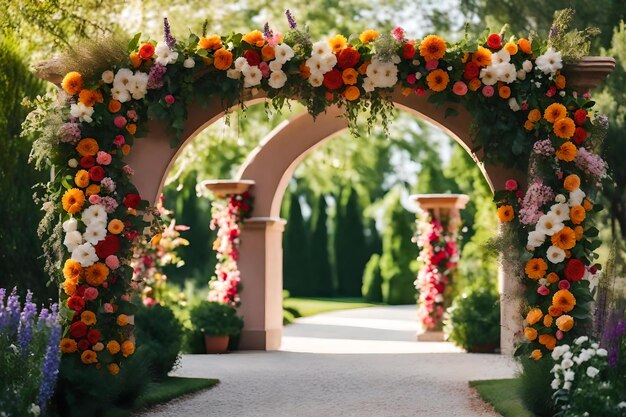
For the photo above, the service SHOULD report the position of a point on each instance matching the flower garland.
(439, 257)
(227, 215)
(512, 87)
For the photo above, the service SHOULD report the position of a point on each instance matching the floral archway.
(525, 111)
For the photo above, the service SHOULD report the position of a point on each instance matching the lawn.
(310, 306)
(504, 395)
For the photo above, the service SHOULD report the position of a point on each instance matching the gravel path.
(357, 363)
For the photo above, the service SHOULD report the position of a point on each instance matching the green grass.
(311, 306)
(504, 395)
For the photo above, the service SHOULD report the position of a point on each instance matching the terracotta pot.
(216, 344)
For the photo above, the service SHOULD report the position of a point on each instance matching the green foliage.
(161, 335)
(398, 252)
(572, 43)
(372, 280)
(322, 276)
(215, 319)
(504, 395)
(535, 379)
(174, 386)
(473, 321)
(296, 265)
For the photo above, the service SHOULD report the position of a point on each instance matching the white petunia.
(328, 62)
(555, 384)
(277, 79)
(368, 85)
(559, 351)
(321, 48)
(95, 233)
(602, 352)
(138, 86)
(567, 363)
(251, 75)
(316, 79)
(82, 112)
(507, 73)
(549, 224)
(489, 75)
(550, 62)
(561, 211)
(536, 239)
(123, 78)
(240, 62)
(555, 254)
(275, 66)
(580, 340)
(576, 197)
(500, 57)
(592, 372)
(567, 385)
(521, 74)
(569, 375)
(70, 225)
(72, 240)
(283, 53)
(120, 94)
(560, 198)
(234, 74)
(94, 214)
(315, 64)
(189, 63)
(164, 54)
(382, 74)
(107, 76)
(527, 66)
(85, 254)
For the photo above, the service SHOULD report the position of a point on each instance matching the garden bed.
(504, 395)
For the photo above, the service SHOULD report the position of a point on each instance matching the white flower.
(550, 62)
(240, 62)
(138, 86)
(72, 163)
(567, 385)
(34, 409)
(396, 60)
(107, 76)
(506, 73)
(488, 75)
(555, 384)
(576, 197)
(513, 104)
(592, 372)
(48, 206)
(94, 214)
(277, 79)
(500, 57)
(315, 64)
(189, 63)
(416, 62)
(602, 352)
(560, 198)
(120, 94)
(382, 74)
(283, 53)
(521, 74)
(368, 84)
(567, 363)
(536, 239)
(321, 48)
(251, 75)
(82, 112)
(123, 79)
(72, 240)
(328, 62)
(418, 75)
(85, 254)
(95, 233)
(561, 211)
(70, 225)
(549, 224)
(622, 404)
(164, 54)
(581, 340)
(555, 254)
(569, 375)
(316, 79)
(527, 66)
(559, 351)
(234, 74)
(562, 93)
(275, 66)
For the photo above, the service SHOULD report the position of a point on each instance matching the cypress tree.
(322, 279)
(296, 261)
(372, 280)
(350, 246)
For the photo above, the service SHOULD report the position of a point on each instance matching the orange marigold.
(432, 48)
(547, 320)
(474, 84)
(505, 213)
(553, 277)
(564, 238)
(131, 128)
(534, 115)
(368, 36)
(114, 106)
(571, 182)
(511, 48)
(69, 287)
(554, 112)
(438, 80)
(566, 152)
(87, 147)
(135, 59)
(587, 204)
(96, 274)
(337, 43)
(554, 311)
(113, 347)
(113, 368)
(578, 230)
(72, 83)
(254, 38)
(565, 323)
(536, 354)
(548, 341)
(504, 92)
(267, 52)
(128, 348)
(88, 97)
(564, 300)
(528, 125)
(577, 214)
(524, 45)
(88, 317)
(92, 189)
(536, 268)
(81, 179)
(482, 57)
(122, 320)
(126, 149)
(89, 357)
(349, 76)
(530, 333)
(560, 82)
(72, 270)
(223, 59)
(68, 345)
(564, 128)
(533, 316)
(352, 93)
(115, 226)
(73, 200)
(212, 42)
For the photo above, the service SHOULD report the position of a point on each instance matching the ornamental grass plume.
(91, 57)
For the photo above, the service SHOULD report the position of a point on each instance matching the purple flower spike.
(290, 19)
(267, 32)
(25, 330)
(167, 34)
(50, 367)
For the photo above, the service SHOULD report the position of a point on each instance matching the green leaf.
(132, 45)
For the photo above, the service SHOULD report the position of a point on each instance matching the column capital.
(274, 223)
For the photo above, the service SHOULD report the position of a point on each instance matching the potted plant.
(217, 322)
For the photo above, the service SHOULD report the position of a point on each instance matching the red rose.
(234, 233)
(96, 173)
(494, 41)
(93, 336)
(110, 245)
(78, 329)
(132, 201)
(333, 80)
(408, 50)
(580, 116)
(574, 270)
(76, 303)
(471, 71)
(87, 162)
(83, 344)
(580, 134)
(348, 58)
(146, 51)
(252, 57)
(80, 290)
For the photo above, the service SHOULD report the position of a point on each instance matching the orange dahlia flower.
(511, 48)
(482, 57)
(352, 93)
(564, 128)
(548, 341)
(432, 48)
(254, 38)
(88, 97)
(567, 152)
(564, 300)
(89, 357)
(571, 182)
(73, 200)
(115, 226)
(536, 268)
(72, 270)
(565, 323)
(438, 80)
(536, 354)
(530, 333)
(68, 345)
(554, 112)
(81, 179)
(564, 238)
(88, 317)
(212, 42)
(128, 348)
(505, 213)
(577, 214)
(87, 147)
(524, 45)
(96, 274)
(223, 59)
(72, 83)
(113, 347)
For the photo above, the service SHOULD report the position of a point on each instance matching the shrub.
(473, 321)
(535, 389)
(372, 280)
(161, 335)
(215, 319)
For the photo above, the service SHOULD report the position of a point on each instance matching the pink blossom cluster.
(591, 163)
(108, 184)
(109, 203)
(544, 147)
(536, 196)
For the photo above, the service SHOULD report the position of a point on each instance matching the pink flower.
(119, 140)
(431, 65)
(519, 194)
(148, 302)
(420, 91)
(169, 99)
(119, 121)
(524, 105)
(587, 95)
(411, 79)
(488, 91)
(543, 290)
(94, 199)
(132, 115)
(128, 170)
(103, 158)
(108, 307)
(559, 334)
(459, 88)
(510, 185)
(398, 33)
(551, 92)
(564, 284)
(112, 262)
(125, 297)
(91, 293)
(265, 69)
(273, 41)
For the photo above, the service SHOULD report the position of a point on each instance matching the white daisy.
(277, 79)
(561, 210)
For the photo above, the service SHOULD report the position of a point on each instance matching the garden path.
(362, 362)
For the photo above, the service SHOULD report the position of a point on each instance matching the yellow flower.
(567, 152)
(113, 347)
(87, 147)
(135, 59)
(438, 80)
(564, 128)
(482, 57)
(212, 42)
(223, 59)
(432, 48)
(73, 200)
(571, 182)
(536, 354)
(565, 323)
(69, 287)
(530, 333)
(534, 115)
(368, 36)
(547, 320)
(337, 43)
(115, 226)
(564, 300)
(511, 48)
(68, 345)
(577, 214)
(113, 368)
(554, 112)
(552, 277)
(254, 38)
(533, 316)
(564, 238)
(88, 317)
(96, 274)
(72, 83)
(536, 268)
(88, 357)
(72, 270)
(128, 348)
(81, 179)
(505, 213)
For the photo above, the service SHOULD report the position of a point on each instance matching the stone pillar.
(261, 266)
